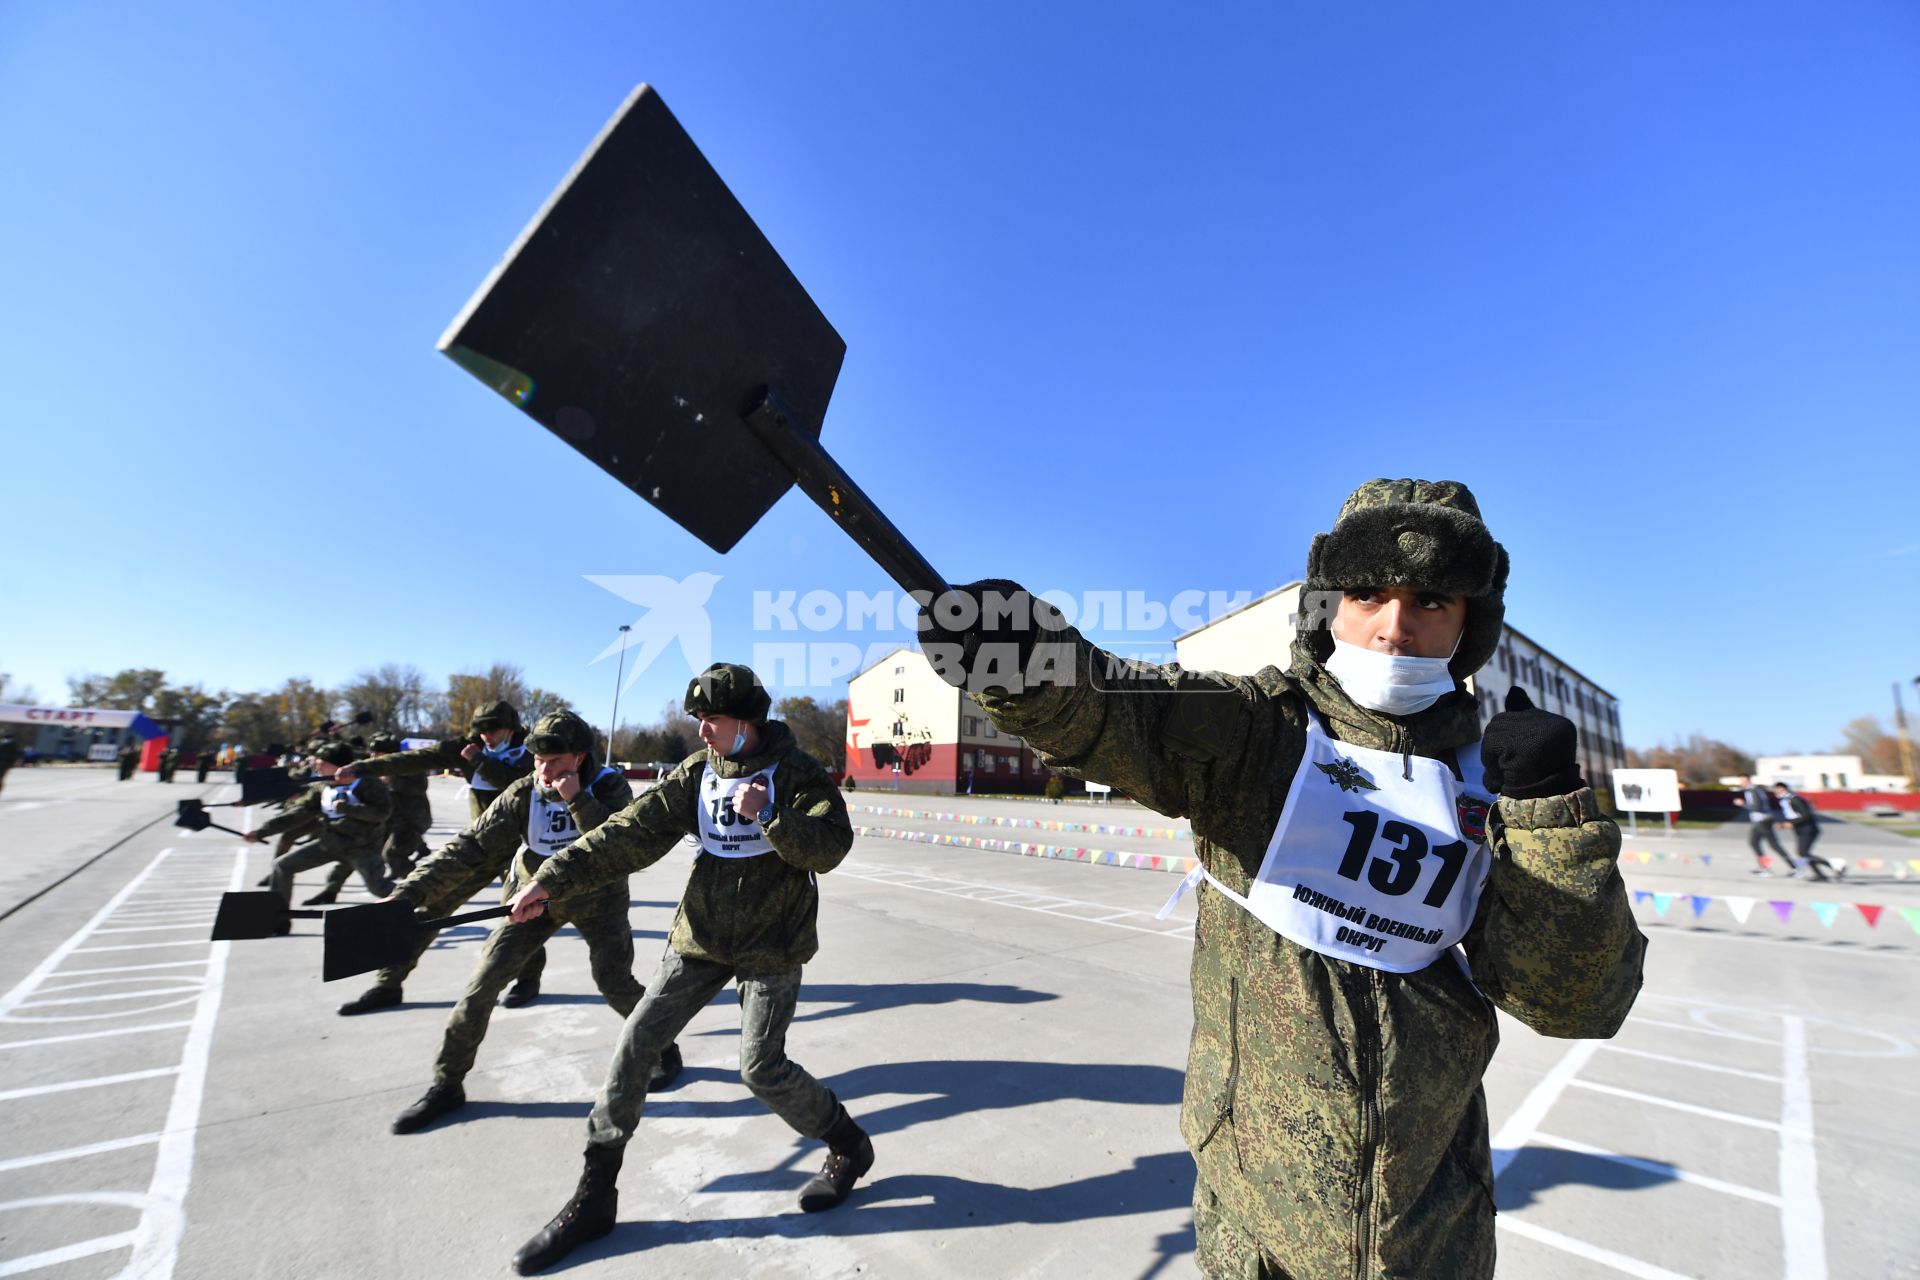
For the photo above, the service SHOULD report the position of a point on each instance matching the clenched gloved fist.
(1527, 753)
(981, 635)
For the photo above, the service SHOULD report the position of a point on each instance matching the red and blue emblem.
(1473, 818)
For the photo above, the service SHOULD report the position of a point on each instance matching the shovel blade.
(247, 915)
(362, 939)
(194, 818)
(641, 314)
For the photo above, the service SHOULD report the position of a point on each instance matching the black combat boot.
(667, 1070)
(589, 1215)
(437, 1101)
(370, 999)
(524, 992)
(849, 1156)
(325, 898)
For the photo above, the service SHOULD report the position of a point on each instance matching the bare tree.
(820, 730)
(11, 692)
(197, 711)
(396, 694)
(131, 690)
(467, 692)
(1879, 751)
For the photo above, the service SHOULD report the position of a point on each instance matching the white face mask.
(739, 741)
(1392, 684)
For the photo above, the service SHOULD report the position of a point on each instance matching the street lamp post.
(619, 670)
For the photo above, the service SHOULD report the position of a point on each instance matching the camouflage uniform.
(169, 761)
(355, 836)
(749, 919)
(1334, 1110)
(407, 825)
(203, 764)
(128, 759)
(449, 892)
(496, 845)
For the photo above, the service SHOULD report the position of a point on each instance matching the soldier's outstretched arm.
(443, 755)
(500, 773)
(810, 828)
(488, 845)
(631, 840)
(1157, 733)
(302, 812)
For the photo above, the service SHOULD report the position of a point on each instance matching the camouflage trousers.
(681, 988)
(443, 903)
(509, 947)
(406, 841)
(319, 854)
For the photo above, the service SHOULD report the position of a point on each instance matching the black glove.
(1527, 753)
(981, 635)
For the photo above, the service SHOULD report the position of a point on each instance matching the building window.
(899, 727)
(899, 695)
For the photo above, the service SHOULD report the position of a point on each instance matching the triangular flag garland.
(1661, 901)
(1698, 902)
(1826, 911)
(1871, 911)
(1912, 916)
(1781, 909)
(1741, 908)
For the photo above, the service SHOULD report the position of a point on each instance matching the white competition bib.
(335, 801)
(724, 833)
(550, 825)
(1368, 865)
(511, 755)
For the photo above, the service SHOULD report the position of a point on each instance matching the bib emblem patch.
(1346, 775)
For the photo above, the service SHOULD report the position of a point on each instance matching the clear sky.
(1133, 295)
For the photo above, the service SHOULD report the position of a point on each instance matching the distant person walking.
(9, 756)
(1762, 814)
(1797, 812)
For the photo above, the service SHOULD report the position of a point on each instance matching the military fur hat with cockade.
(560, 733)
(728, 689)
(1426, 535)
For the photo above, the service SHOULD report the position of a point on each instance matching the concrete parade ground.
(994, 1000)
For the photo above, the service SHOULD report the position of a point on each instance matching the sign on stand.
(1646, 791)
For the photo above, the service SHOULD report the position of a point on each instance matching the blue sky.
(1133, 295)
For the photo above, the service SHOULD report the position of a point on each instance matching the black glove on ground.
(979, 636)
(1527, 753)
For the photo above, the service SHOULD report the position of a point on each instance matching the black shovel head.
(248, 915)
(193, 818)
(362, 939)
(641, 314)
(264, 786)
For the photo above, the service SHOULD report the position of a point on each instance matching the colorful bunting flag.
(1741, 907)
(1912, 916)
(1698, 902)
(1781, 909)
(1871, 911)
(1661, 901)
(1826, 911)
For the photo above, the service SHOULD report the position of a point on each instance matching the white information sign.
(1098, 788)
(1646, 790)
(103, 753)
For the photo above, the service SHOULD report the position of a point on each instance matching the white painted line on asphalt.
(123, 995)
(1803, 945)
(66, 1253)
(26, 985)
(160, 928)
(67, 1086)
(1655, 1100)
(139, 946)
(76, 1153)
(1659, 1167)
(94, 1035)
(1802, 1221)
(1694, 1063)
(1525, 1119)
(129, 968)
(1592, 1252)
(1639, 1021)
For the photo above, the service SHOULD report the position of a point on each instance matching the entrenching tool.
(380, 935)
(644, 319)
(254, 915)
(261, 786)
(193, 816)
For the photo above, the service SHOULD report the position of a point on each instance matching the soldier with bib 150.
(768, 819)
(1376, 875)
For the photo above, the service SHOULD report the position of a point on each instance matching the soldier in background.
(128, 759)
(533, 818)
(406, 827)
(353, 824)
(9, 756)
(768, 820)
(202, 764)
(493, 758)
(169, 761)
(1333, 1099)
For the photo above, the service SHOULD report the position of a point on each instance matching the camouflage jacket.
(1336, 1110)
(446, 755)
(497, 845)
(756, 914)
(360, 828)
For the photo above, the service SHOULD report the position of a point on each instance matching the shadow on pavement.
(864, 997)
(1537, 1169)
